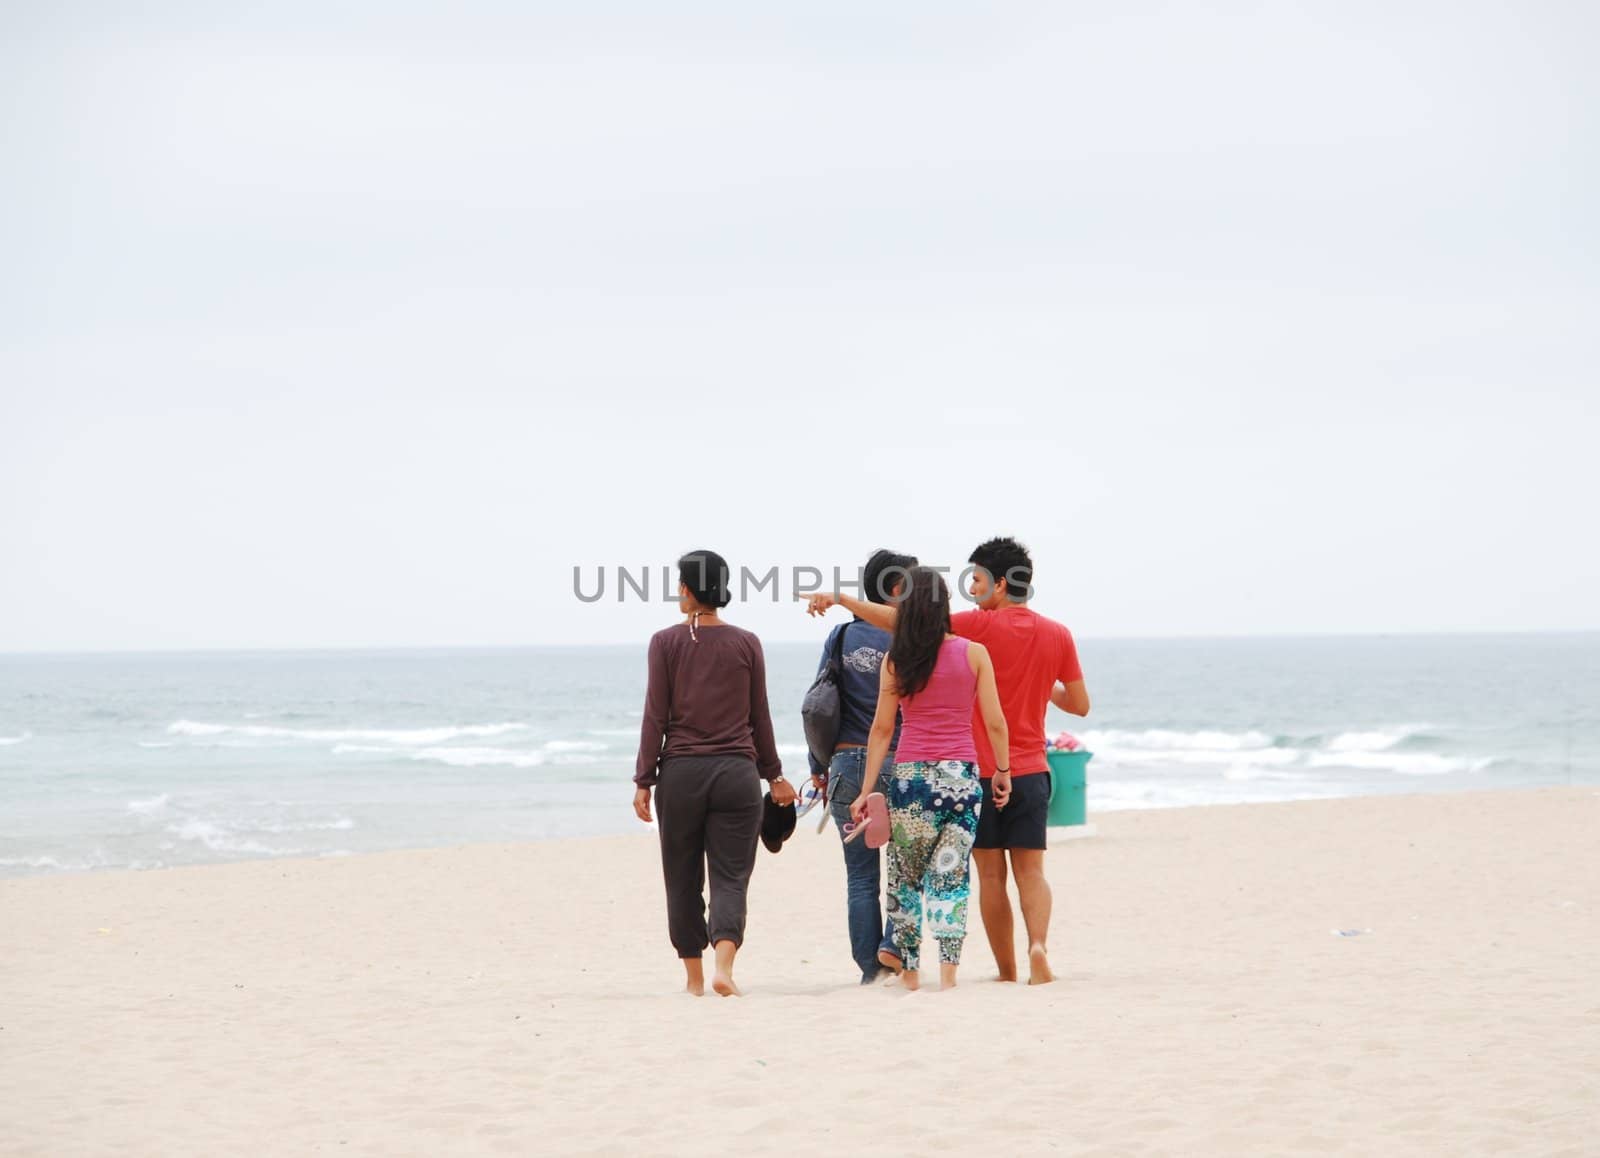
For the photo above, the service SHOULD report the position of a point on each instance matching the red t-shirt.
(1030, 654)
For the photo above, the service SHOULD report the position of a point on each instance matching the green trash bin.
(1069, 775)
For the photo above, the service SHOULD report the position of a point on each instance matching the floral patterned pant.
(933, 817)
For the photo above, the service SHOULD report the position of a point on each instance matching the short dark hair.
(884, 569)
(1005, 558)
(706, 575)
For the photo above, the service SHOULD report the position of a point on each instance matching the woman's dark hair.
(884, 569)
(1009, 560)
(919, 629)
(705, 574)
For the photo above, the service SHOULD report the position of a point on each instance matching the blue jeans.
(869, 932)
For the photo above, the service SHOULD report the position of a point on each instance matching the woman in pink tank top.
(932, 677)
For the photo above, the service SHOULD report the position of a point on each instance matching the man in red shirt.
(1035, 664)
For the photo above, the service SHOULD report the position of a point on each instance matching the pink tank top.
(938, 719)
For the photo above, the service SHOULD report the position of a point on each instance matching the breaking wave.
(404, 737)
(1256, 755)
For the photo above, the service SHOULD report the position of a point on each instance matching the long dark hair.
(919, 629)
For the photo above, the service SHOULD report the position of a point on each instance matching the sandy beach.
(518, 999)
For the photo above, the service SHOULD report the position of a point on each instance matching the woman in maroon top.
(705, 746)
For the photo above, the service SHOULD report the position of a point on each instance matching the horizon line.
(304, 649)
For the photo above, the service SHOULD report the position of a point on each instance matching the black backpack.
(819, 711)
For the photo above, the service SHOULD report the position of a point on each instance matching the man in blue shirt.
(863, 650)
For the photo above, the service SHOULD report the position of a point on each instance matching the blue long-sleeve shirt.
(864, 649)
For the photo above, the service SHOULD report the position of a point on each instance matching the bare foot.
(694, 989)
(722, 978)
(947, 976)
(911, 979)
(1039, 966)
(694, 977)
(889, 961)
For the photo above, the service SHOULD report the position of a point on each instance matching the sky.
(364, 324)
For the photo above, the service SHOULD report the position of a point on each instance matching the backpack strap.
(836, 660)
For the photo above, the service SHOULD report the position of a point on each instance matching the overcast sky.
(363, 324)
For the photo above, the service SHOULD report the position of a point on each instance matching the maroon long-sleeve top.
(707, 696)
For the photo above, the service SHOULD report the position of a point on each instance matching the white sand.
(521, 999)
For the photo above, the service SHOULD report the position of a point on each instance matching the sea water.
(146, 761)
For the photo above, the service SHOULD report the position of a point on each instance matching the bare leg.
(1027, 864)
(947, 975)
(696, 974)
(995, 905)
(722, 980)
(911, 979)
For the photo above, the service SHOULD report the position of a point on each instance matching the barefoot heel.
(1039, 972)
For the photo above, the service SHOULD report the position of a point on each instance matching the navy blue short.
(1021, 823)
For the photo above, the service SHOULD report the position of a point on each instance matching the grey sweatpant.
(708, 810)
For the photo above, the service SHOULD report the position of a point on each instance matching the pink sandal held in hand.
(876, 825)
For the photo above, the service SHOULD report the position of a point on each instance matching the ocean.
(148, 761)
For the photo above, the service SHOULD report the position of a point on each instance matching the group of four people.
(946, 710)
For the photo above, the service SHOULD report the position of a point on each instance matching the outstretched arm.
(878, 614)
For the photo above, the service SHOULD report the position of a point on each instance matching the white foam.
(39, 862)
(220, 839)
(557, 752)
(1379, 741)
(574, 746)
(479, 757)
(233, 833)
(340, 824)
(1270, 757)
(792, 749)
(1163, 739)
(1253, 755)
(1242, 772)
(158, 743)
(405, 737)
(190, 728)
(7, 741)
(95, 860)
(1121, 796)
(1403, 763)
